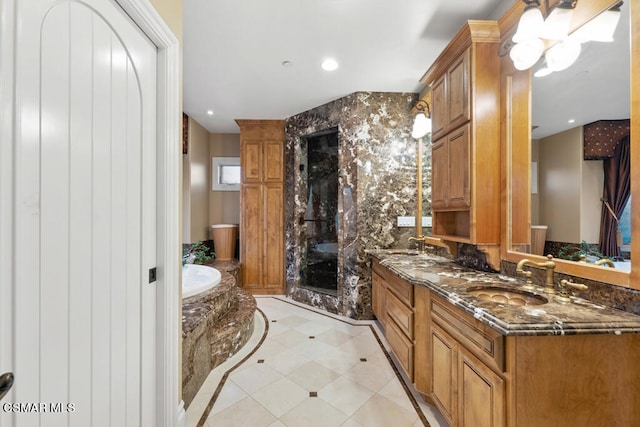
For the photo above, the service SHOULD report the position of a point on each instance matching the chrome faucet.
(549, 266)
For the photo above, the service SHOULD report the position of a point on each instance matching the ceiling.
(234, 50)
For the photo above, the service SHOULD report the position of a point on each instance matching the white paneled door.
(85, 215)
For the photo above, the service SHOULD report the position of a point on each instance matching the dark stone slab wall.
(377, 183)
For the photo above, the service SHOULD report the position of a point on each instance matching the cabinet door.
(458, 91)
(459, 184)
(273, 249)
(273, 156)
(439, 110)
(444, 373)
(251, 160)
(439, 174)
(378, 297)
(401, 346)
(251, 241)
(481, 393)
(422, 346)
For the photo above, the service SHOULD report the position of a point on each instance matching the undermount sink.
(506, 296)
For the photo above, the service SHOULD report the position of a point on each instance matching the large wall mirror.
(552, 192)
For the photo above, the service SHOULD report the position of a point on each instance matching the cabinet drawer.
(400, 288)
(401, 314)
(482, 341)
(402, 347)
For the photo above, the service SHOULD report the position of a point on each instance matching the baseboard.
(181, 415)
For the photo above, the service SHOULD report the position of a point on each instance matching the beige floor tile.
(290, 338)
(315, 327)
(246, 412)
(314, 412)
(312, 376)
(333, 337)
(253, 379)
(362, 345)
(345, 394)
(291, 321)
(269, 348)
(371, 375)
(353, 330)
(196, 408)
(230, 395)
(394, 391)
(351, 423)
(340, 364)
(381, 412)
(286, 362)
(312, 349)
(281, 396)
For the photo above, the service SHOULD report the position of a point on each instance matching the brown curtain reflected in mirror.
(617, 189)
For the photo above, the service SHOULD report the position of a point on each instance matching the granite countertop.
(450, 281)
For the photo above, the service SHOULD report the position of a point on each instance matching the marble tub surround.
(450, 281)
(215, 325)
(376, 184)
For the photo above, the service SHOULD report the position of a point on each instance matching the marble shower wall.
(377, 183)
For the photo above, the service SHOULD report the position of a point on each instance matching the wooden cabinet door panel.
(379, 297)
(439, 174)
(402, 347)
(273, 163)
(439, 112)
(444, 373)
(459, 184)
(273, 249)
(251, 229)
(458, 91)
(481, 394)
(400, 313)
(251, 161)
(422, 345)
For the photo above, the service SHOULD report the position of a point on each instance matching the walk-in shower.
(320, 266)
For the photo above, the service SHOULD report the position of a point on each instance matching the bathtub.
(198, 278)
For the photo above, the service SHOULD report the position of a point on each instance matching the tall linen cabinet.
(262, 205)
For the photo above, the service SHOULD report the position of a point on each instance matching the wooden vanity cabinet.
(467, 368)
(262, 205)
(466, 136)
(393, 306)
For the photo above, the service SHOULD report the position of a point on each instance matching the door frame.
(170, 407)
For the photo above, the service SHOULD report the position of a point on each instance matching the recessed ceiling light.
(209, 112)
(572, 120)
(329, 64)
(287, 64)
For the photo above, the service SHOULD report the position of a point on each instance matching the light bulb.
(529, 25)
(556, 27)
(599, 29)
(562, 55)
(524, 55)
(421, 126)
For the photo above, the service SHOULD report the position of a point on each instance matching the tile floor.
(309, 369)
